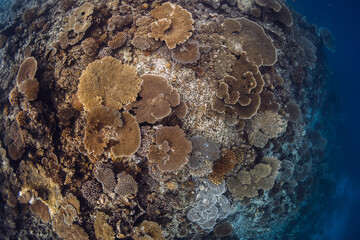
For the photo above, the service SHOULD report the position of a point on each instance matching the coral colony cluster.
(158, 119)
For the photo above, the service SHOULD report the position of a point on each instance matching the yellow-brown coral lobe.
(174, 24)
(27, 70)
(177, 156)
(108, 82)
(128, 136)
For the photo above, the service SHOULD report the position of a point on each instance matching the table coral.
(177, 154)
(174, 24)
(128, 136)
(126, 185)
(108, 82)
(245, 35)
(158, 98)
(186, 53)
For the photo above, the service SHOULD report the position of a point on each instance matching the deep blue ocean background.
(341, 220)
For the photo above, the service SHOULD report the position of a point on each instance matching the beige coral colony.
(157, 120)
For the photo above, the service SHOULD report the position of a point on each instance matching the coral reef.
(159, 120)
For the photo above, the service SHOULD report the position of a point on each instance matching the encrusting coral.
(174, 24)
(108, 82)
(157, 99)
(172, 149)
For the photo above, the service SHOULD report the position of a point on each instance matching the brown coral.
(186, 53)
(273, 4)
(118, 22)
(90, 46)
(40, 209)
(158, 97)
(148, 231)
(117, 41)
(126, 185)
(128, 136)
(108, 82)
(238, 96)
(245, 35)
(102, 229)
(77, 25)
(30, 88)
(174, 24)
(63, 221)
(222, 166)
(27, 70)
(178, 151)
(265, 126)
(141, 39)
(261, 177)
(272, 12)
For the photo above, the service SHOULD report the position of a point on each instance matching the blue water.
(341, 221)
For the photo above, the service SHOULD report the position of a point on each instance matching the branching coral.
(262, 176)
(108, 82)
(245, 35)
(174, 24)
(171, 152)
(157, 99)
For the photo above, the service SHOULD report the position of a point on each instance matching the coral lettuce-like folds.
(108, 82)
